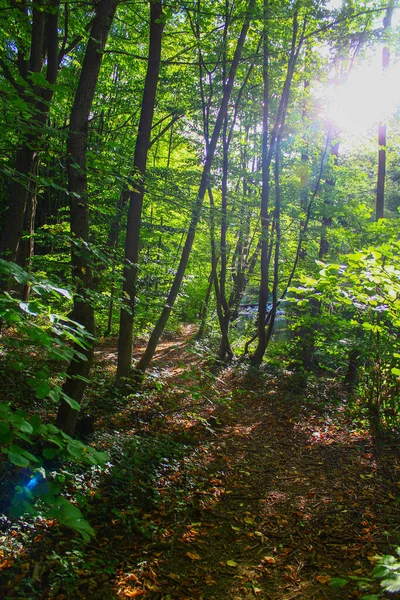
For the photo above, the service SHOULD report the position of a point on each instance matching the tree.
(268, 149)
(380, 190)
(136, 193)
(204, 183)
(83, 312)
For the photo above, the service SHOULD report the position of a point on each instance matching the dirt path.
(278, 493)
(282, 497)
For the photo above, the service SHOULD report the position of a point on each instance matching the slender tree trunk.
(302, 237)
(204, 183)
(326, 222)
(204, 308)
(83, 313)
(43, 44)
(224, 348)
(277, 220)
(307, 332)
(264, 282)
(267, 154)
(125, 339)
(26, 246)
(380, 190)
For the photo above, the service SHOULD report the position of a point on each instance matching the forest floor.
(223, 483)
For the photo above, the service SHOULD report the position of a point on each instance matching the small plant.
(29, 444)
(388, 569)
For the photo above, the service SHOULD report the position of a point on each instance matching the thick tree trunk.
(125, 339)
(79, 368)
(204, 183)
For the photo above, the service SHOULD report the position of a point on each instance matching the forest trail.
(279, 496)
(276, 494)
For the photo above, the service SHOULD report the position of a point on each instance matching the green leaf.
(73, 403)
(6, 435)
(71, 516)
(49, 453)
(29, 456)
(338, 582)
(32, 308)
(396, 371)
(17, 459)
(42, 389)
(75, 451)
(392, 584)
(37, 426)
(52, 428)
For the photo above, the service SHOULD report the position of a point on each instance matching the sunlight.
(367, 96)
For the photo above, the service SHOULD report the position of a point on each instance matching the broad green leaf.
(17, 459)
(6, 435)
(52, 428)
(73, 403)
(42, 389)
(75, 451)
(338, 582)
(391, 584)
(49, 453)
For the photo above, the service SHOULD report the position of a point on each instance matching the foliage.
(34, 331)
(359, 309)
(388, 569)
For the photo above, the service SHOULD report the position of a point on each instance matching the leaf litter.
(275, 498)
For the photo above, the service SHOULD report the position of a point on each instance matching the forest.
(200, 299)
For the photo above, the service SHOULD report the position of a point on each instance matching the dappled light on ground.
(233, 488)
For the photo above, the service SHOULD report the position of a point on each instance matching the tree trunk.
(170, 301)
(277, 220)
(83, 313)
(267, 154)
(125, 339)
(326, 222)
(380, 190)
(44, 44)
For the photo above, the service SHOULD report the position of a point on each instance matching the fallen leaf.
(270, 560)
(231, 563)
(133, 593)
(249, 521)
(193, 555)
(323, 579)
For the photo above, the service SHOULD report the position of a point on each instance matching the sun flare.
(366, 97)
